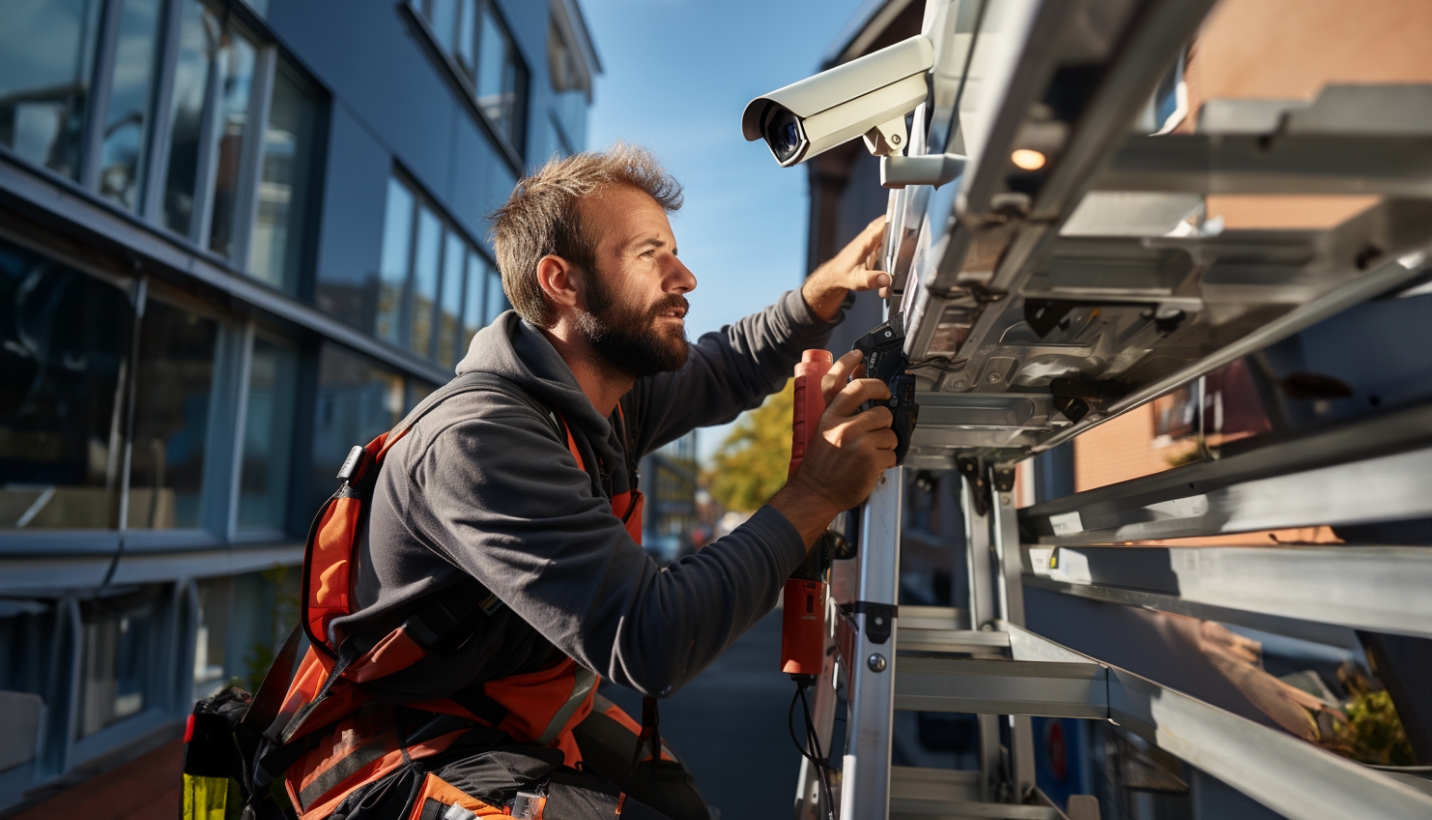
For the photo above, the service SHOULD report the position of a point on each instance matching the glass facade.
(130, 93)
(285, 184)
(172, 407)
(358, 400)
(446, 283)
(45, 80)
(175, 382)
(268, 436)
(64, 351)
(119, 635)
(474, 34)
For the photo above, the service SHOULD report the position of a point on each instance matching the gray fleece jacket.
(484, 488)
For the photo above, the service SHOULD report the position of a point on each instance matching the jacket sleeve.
(504, 501)
(729, 371)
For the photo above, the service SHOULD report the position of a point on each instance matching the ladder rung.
(947, 785)
(906, 809)
(916, 639)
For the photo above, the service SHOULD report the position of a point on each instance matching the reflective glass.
(198, 41)
(211, 635)
(235, 62)
(473, 317)
(397, 248)
(442, 14)
(64, 344)
(46, 57)
(276, 252)
(466, 37)
(171, 417)
(358, 399)
(126, 121)
(120, 654)
(425, 280)
(268, 432)
(450, 309)
(501, 79)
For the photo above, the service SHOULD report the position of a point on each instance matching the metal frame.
(1106, 225)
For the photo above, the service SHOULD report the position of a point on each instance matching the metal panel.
(1380, 589)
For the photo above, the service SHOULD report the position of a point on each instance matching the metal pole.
(865, 777)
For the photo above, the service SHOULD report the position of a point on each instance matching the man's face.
(635, 303)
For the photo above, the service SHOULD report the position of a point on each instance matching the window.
(358, 399)
(208, 45)
(45, 81)
(175, 378)
(121, 643)
(437, 273)
(219, 181)
(285, 185)
(130, 92)
(501, 77)
(473, 34)
(64, 344)
(268, 432)
(211, 636)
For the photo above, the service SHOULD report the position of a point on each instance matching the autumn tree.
(752, 462)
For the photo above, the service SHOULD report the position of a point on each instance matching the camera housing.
(866, 97)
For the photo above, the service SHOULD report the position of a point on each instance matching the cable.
(812, 744)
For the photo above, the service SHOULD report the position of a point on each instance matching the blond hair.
(541, 217)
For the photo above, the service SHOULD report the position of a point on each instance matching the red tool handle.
(803, 616)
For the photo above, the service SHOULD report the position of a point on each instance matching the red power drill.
(803, 619)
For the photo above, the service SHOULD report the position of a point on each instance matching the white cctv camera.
(866, 97)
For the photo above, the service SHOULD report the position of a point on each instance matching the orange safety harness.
(330, 736)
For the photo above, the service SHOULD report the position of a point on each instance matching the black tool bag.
(222, 743)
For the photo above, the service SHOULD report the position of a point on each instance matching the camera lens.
(783, 133)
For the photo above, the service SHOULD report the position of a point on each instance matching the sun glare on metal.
(1027, 159)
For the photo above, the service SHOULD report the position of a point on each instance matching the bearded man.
(506, 523)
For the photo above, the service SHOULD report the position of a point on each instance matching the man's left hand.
(849, 270)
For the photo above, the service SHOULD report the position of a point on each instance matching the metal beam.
(1380, 463)
(1274, 164)
(1380, 589)
(1002, 687)
(1286, 774)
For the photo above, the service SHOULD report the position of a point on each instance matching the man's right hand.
(849, 453)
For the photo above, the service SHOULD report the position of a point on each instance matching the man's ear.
(558, 280)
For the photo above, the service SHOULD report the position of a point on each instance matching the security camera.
(866, 97)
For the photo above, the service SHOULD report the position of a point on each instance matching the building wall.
(174, 401)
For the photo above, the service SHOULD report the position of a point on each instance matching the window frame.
(406, 304)
(512, 148)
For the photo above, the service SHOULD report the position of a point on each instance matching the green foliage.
(754, 459)
(1373, 733)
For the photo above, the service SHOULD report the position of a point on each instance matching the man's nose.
(680, 279)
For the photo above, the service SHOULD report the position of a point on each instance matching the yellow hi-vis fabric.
(205, 798)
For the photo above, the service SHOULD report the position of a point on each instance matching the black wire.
(812, 744)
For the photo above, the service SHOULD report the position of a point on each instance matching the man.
(500, 561)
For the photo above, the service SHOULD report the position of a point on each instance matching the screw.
(876, 662)
(895, 139)
(994, 378)
(959, 382)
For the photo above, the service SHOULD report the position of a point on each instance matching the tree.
(752, 463)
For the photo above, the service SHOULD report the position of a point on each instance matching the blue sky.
(677, 75)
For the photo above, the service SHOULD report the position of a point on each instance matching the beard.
(627, 338)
